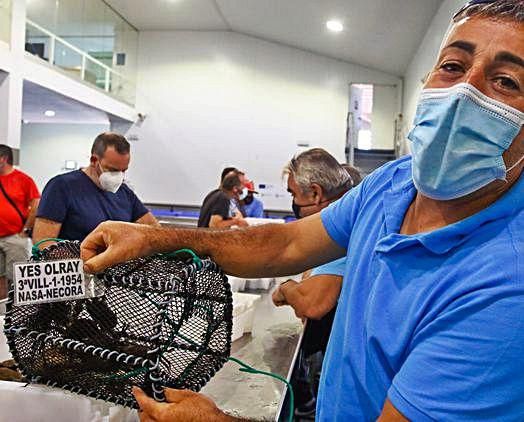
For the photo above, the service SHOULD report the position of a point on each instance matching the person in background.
(314, 179)
(19, 198)
(235, 206)
(429, 320)
(249, 205)
(354, 174)
(74, 203)
(228, 170)
(217, 210)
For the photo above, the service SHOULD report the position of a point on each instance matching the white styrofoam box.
(243, 313)
(4, 348)
(53, 404)
(237, 284)
(259, 283)
(253, 221)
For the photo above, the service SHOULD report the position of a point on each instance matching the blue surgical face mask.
(457, 141)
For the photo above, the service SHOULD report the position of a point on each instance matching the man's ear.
(93, 160)
(317, 193)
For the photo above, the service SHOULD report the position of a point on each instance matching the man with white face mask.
(74, 203)
(429, 321)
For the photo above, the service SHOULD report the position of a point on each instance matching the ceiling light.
(49, 113)
(335, 26)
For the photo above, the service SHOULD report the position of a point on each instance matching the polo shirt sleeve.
(221, 207)
(138, 209)
(338, 219)
(336, 267)
(467, 363)
(55, 200)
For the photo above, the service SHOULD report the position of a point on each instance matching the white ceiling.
(37, 99)
(381, 34)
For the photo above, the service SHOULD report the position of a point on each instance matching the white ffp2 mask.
(111, 180)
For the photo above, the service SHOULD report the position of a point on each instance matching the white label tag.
(51, 281)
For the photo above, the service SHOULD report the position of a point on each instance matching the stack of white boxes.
(243, 313)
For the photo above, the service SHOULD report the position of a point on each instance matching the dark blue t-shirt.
(74, 200)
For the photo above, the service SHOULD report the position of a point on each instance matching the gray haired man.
(315, 179)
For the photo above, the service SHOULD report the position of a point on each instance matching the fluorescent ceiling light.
(335, 26)
(49, 113)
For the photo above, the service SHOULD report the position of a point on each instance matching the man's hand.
(312, 298)
(114, 242)
(278, 297)
(239, 221)
(180, 405)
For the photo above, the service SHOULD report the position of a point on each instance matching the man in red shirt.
(19, 198)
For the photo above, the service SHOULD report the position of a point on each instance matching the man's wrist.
(286, 285)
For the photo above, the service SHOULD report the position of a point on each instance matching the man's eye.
(507, 83)
(451, 67)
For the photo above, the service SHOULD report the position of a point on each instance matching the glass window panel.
(97, 30)
(68, 59)
(95, 74)
(37, 42)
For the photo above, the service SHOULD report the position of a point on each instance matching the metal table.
(270, 347)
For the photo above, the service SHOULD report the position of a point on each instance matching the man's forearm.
(251, 252)
(314, 297)
(269, 250)
(45, 229)
(30, 222)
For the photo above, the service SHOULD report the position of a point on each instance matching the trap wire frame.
(156, 322)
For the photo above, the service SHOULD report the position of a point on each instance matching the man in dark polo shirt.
(74, 203)
(217, 210)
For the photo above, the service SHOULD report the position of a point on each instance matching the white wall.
(214, 99)
(46, 147)
(425, 58)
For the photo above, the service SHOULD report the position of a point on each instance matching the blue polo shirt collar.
(401, 193)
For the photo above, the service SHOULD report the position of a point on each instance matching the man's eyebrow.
(506, 56)
(463, 45)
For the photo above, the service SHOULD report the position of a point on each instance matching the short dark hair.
(110, 139)
(226, 171)
(6, 151)
(231, 181)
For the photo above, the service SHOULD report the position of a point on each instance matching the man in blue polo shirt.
(429, 321)
(74, 203)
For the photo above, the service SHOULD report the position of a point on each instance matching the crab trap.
(160, 321)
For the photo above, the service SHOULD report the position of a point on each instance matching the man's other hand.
(180, 405)
(278, 297)
(114, 242)
(239, 221)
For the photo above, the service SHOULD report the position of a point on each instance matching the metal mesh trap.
(153, 322)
